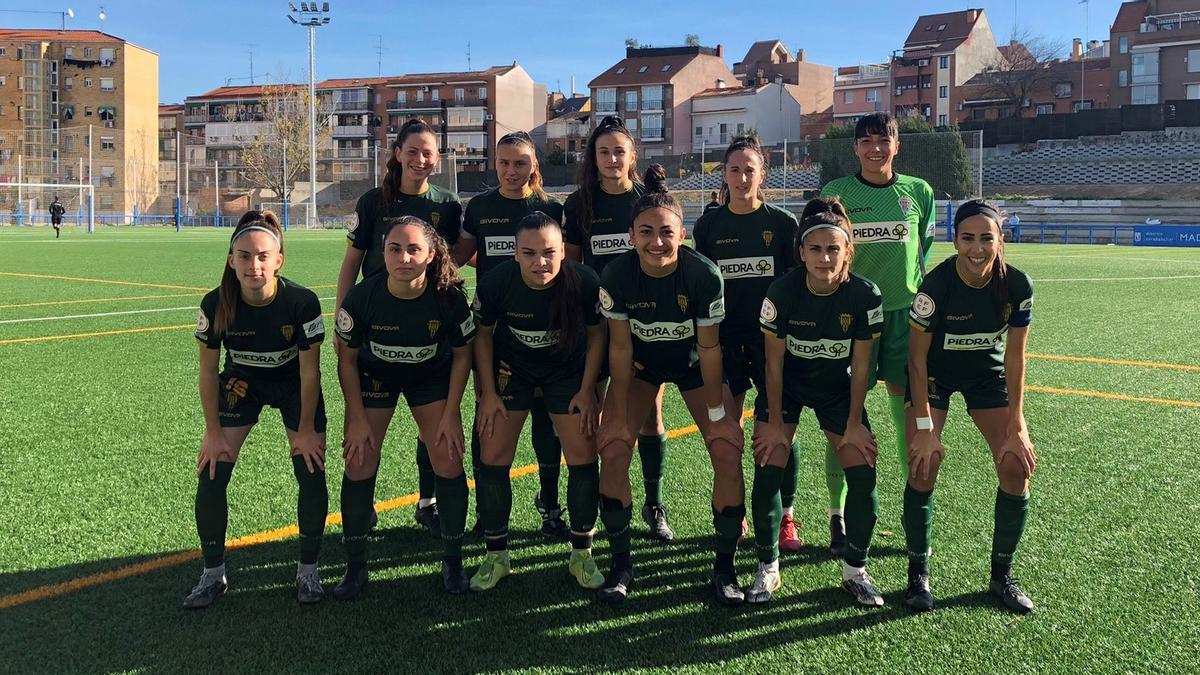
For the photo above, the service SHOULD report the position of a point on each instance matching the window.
(621, 70)
(4, 52)
(1044, 109)
(4, 81)
(943, 62)
(979, 114)
(483, 93)
(941, 27)
(402, 97)
(437, 96)
(1123, 44)
(106, 55)
(631, 124)
(872, 95)
(606, 100)
(941, 120)
(1081, 105)
(1193, 60)
(652, 97)
(848, 96)
(87, 52)
(106, 84)
(699, 131)
(630, 100)
(666, 67)
(1143, 94)
(741, 129)
(1123, 78)
(1193, 92)
(460, 94)
(68, 53)
(1062, 90)
(106, 143)
(642, 69)
(943, 91)
(1145, 67)
(420, 95)
(652, 127)
(1005, 113)
(87, 82)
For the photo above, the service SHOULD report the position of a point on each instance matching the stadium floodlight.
(310, 15)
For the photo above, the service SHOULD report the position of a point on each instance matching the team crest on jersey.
(845, 320)
(376, 385)
(352, 223)
(1006, 313)
(344, 321)
(682, 300)
(905, 204)
(768, 237)
(502, 377)
(435, 217)
(202, 323)
(288, 331)
(433, 327)
(235, 390)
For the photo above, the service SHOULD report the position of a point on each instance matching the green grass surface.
(99, 435)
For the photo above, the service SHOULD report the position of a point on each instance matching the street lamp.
(310, 16)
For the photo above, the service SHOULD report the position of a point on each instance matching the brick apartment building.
(652, 89)
(1155, 52)
(55, 86)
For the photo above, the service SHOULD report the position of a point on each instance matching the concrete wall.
(773, 111)
(700, 74)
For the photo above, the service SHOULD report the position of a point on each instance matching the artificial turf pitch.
(101, 425)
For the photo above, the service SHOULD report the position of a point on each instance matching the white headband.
(254, 228)
(824, 226)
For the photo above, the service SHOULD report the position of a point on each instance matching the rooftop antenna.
(468, 55)
(379, 55)
(251, 51)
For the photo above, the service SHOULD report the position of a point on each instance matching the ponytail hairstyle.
(566, 310)
(390, 187)
(442, 274)
(231, 289)
(521, 139)
(826, 213)
(588, 177)
(656, 196)
(982, 207)
(750, 143)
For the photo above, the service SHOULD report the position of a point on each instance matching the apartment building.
(1155, 52)
(58, 88)
(941, 53)
(652, 89)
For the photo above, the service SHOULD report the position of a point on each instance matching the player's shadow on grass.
(539, 617)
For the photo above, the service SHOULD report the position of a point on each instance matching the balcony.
(345, 153)
(352, 131)
(652, 105)
(352, 106)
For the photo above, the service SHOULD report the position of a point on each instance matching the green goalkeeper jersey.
(893, 232)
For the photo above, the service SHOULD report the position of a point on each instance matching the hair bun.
(655, 178)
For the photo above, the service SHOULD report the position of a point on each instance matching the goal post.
(16, 201)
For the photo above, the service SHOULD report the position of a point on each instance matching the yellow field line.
(102, 281)
(264, 537)
(1116, 362)
(1111, 396)
(81, 302)
(44, 338)
(128, 297)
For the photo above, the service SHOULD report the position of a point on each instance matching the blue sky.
(201, 43)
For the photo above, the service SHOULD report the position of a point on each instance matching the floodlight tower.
(311, 16)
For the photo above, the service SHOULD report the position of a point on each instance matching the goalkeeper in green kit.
(892, 216)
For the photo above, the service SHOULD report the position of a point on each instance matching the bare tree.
(631, 43)
(691, 40)
(283, 135)
(1020, 69)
